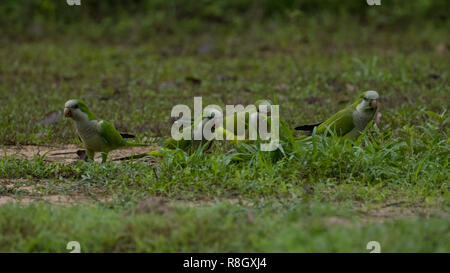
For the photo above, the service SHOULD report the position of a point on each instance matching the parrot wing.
(111, 136)
(341, 123)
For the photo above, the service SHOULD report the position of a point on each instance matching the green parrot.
(245, 150)
(207, 119)
(97, 135)
(350, 121)
(248, 118)
(170, 144)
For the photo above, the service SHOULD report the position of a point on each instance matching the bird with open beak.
(350, 121)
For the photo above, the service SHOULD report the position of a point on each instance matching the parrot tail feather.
(307, 127)
(125, 135)
(155, 153)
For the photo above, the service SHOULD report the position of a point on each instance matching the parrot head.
(369, 101)
(265, 110)
(212, 111)
(77, 110)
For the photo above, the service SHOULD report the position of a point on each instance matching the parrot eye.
(75, 106)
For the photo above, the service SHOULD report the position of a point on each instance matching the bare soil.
(66, 153)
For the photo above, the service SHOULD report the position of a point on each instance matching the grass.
(293, 228)
(331, 195)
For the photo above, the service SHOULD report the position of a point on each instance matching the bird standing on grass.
(250, 119)
(206, 120)
(170, 144)
(97, 135)
(350, 121)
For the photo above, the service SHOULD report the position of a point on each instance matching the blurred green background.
(143, 18)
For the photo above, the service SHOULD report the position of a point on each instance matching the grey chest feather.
(89, 133)
(361, 119)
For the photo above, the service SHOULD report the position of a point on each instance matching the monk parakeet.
(350, 121)
(170, 144)
(277, 143)
(97, 135)
(248, 118)
(207, 120)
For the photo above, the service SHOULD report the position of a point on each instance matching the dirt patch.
(162, 205)
(54, 199)
(66, 153)
(382, 214)
(21, 191)
(211, 202)
(335, 221)
(153, 204)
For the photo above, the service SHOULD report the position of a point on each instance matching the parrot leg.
(104, 157)
(90, 155)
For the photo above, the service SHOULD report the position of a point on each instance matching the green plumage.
(111, 136)
(97, 135)
(341, 123)
(350, 121)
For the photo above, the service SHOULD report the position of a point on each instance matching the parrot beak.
(374, 104)
(67, 112)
